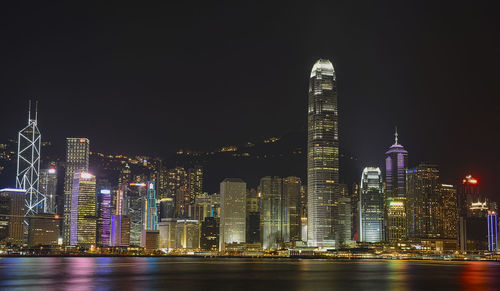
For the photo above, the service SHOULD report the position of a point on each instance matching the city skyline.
(435, 85)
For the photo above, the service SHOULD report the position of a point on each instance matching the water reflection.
(140, 273)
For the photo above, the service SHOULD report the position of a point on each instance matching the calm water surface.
(138, 273)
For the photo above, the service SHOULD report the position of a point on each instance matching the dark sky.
(150, 77)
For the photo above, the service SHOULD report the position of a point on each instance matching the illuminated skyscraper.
(322, 154)
(291, 208)
(77, 158)
(371, 206)
(271, 189)
(105, 217)
(492, 231)
(83, 219)
(135, 198)
(151, 222)
(194, 183)
(449, 212)
(474, 208)
(423, 193)
(396, 159)
(233, 211)
(12, 203)
(28, 165)
(48, 187)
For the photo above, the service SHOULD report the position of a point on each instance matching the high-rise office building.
(48, 187)
(423, 192)
(492, 231)
(120, 222)
(77, 158)
(176, 178)
(291, 209)
(135, 199)
(12, 205)
(449, 212)
(28, 164)
(104, 222)
(271, 191)
(43, 229)
(233, 211)
(396, 160)
(322, 154)
(167, 208)
(209, 239)
(343, 223)
(474, 207)
(150, 233)
(83, 218)
(371, 206)
(194, 182)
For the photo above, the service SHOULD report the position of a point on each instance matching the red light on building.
(82, 140)
(56, 216)
(470, 180)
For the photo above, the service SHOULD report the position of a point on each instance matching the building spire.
(36, 110)
(29, 111)
(395, 135)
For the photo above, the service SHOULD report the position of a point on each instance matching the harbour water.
(141, 273)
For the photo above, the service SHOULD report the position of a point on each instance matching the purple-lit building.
(396, 160)
(105, 217)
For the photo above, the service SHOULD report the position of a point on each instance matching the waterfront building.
(77, 158)
(396, 161)
(492, 231)
(322, 155)
(423, 202)
(43, 229)
(135, 197)
(233, 211)
(271, 189)
(120, 231)
(48, 187)
(28, 164)
(343, 217)
(151, 222)
(209, 238)
(167, 228)
(291, 209)
(104, 212)
(187, 234)
(449, 212)
(371, 206)
(12, 210)
(83, 209)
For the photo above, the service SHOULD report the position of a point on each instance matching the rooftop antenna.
(29, 111)
(36, 109)
(395, 135)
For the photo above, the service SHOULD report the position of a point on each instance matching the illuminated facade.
(396, 159)
(135, 200)
(105, 217)
(423, 202)
(48, 187)
(77, 158)
(28, 165)
(151, 210)
(43, 230)
(12, 204)
(83, 210)
(291, 209)
(233, 211)
(371, 206)
(271, 190)
(322, 154)
(194, 183)
(492, 231)
(449, 212)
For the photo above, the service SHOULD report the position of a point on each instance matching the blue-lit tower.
(151, 210)
(492, 231)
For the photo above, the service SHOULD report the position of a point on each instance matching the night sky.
(149, 78)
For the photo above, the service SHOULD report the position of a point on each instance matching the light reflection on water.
(139, 273)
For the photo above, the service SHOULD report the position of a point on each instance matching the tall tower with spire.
(323, 191)
(28, 164)
(396, 162)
